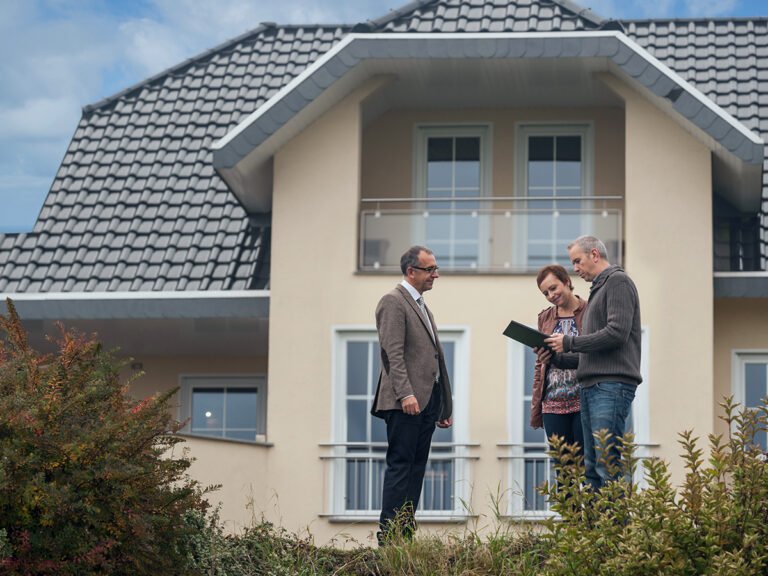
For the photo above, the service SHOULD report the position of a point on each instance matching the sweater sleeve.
(565, 361)
(620, 299)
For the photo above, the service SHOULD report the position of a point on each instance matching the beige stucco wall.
(669, 255)
(240, 469)
(389, 141)
(739, 327)
(318, 180)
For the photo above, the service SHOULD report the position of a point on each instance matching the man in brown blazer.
(414, 393)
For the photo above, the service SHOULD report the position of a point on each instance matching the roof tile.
(137, 181)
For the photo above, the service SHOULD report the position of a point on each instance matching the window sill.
(261, 443)
(532, 516)
(366, 518)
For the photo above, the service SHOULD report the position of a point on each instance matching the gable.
(137, 206)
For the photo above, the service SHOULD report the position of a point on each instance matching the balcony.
(737, 245)
(739, 252)
(503, 235)
(355, 474)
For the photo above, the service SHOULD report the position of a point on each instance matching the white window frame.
(523, 131)
(739, 358)
(484, 131)
(188, 382)
(517, 424)
(459, 335)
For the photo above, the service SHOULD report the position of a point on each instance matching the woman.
(555, 400)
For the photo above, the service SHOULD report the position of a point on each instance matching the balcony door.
(554, 172)
(452, 175)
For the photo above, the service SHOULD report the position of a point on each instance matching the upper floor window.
(554, 171)
(452, 171)
(229, 407)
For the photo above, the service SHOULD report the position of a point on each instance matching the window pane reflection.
(363, 472)
(242, 407)
(755, 384)
(208, 411)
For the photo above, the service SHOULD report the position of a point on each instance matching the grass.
(714, 524)
(267, 550)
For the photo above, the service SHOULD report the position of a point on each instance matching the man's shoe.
(381, 538)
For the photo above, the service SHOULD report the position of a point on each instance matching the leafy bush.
(715, 523)
(89, 481)
(266, 550)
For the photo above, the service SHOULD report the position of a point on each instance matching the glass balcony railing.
(492, 235)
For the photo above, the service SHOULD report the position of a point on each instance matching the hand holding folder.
(526, 335)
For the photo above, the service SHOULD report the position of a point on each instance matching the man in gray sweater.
(608, 352)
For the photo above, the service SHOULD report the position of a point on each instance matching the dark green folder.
(525, 335)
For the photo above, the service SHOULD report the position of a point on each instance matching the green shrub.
(715, 523)
(89, 480)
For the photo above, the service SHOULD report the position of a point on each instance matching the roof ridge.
(397, 12)
(569, 5)
(581, 11)
(263, 26)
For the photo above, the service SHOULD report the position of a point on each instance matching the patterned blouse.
(561, 395)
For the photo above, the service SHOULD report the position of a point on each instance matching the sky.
(57, 56)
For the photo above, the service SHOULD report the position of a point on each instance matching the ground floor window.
(360, 440)
(528, 462)
(750, 385)
(228, 407)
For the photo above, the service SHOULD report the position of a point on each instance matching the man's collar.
(411, 290)
(600, 278)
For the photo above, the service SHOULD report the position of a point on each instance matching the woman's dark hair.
(557, 271)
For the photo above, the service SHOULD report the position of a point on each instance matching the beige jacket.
(410, 360)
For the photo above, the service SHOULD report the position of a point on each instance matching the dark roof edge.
(201, 56)
(395, 13)
(141, 305)
(741, 284)
(580, 11)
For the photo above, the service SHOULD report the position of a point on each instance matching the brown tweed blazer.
(410, 360)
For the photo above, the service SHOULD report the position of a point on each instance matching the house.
(231, 223)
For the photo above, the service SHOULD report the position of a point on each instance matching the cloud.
(57, 56)
(39, 118)
(603, 8)
(710, 8)
(149, 47)
(628, 9)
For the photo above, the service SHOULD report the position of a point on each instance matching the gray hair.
(411, 257)
(588, 243)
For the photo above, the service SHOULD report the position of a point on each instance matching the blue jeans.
(604, 406)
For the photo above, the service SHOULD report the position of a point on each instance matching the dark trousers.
(408, 442)
(567, 426)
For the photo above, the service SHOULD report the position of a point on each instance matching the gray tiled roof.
(727, 60)
(136, 205)
(489, 16)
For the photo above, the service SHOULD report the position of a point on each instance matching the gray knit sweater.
(609, 346)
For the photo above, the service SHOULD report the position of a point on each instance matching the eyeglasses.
(428, 270)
